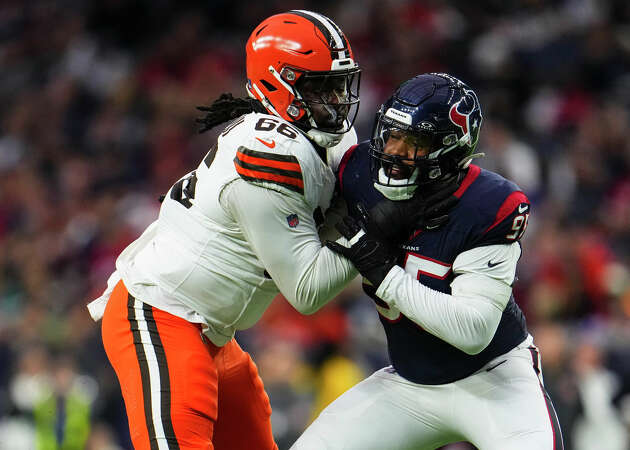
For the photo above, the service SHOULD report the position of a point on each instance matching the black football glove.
(372, 257)
(394, 221)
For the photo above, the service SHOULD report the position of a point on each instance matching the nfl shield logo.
(293, 220)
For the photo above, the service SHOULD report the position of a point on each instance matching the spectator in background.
(600, 424)
(82, 137)
(62, 415)
(511, 157)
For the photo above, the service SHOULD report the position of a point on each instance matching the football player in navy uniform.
(464, 367)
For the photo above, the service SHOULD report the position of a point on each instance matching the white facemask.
(396, 190)
(324, 139)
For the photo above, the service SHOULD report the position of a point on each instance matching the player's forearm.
(321, 281)
(467, 319)
(307, 274)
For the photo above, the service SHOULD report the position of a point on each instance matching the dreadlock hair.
(225, 108)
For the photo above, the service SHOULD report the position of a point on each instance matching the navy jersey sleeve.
(510, 221)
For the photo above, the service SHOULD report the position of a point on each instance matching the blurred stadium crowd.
(97, 120)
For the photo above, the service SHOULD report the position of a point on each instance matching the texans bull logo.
(466, 114)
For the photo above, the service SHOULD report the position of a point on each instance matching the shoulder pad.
(496, 211)
(267, 167)
(349, 158)
(273, 153)
(263, 132)
(510, 221)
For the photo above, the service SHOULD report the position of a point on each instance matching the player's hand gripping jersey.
(235, 231)
(470, 261)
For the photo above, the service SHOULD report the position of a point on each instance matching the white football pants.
(503, 406)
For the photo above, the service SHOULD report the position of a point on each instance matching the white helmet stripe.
(343, 37)
(333, 31)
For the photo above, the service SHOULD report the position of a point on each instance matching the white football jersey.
(237, 230)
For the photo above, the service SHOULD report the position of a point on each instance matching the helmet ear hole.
(270, 87)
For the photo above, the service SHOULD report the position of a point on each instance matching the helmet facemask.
(396, 176)
(436, 113)
(330, 100)
(437, 156)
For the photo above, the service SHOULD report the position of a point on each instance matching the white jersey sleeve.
(283, 234)
(469, 316)
(238, 229)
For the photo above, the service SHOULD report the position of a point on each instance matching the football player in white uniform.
(464, 367)
(231, 235)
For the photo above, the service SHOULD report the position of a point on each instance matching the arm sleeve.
(469, 316)
(308, 274)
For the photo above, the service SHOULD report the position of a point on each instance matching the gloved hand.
(372, 257)
(394, 221)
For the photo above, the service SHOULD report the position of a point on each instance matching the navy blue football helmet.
(435, 111)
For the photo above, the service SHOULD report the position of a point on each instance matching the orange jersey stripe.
(292, 166)
(269, 177)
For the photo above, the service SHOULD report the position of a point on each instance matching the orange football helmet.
(300, 67)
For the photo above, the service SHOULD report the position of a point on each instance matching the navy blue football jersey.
(491, 210)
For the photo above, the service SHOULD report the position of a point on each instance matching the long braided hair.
(226, 108)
